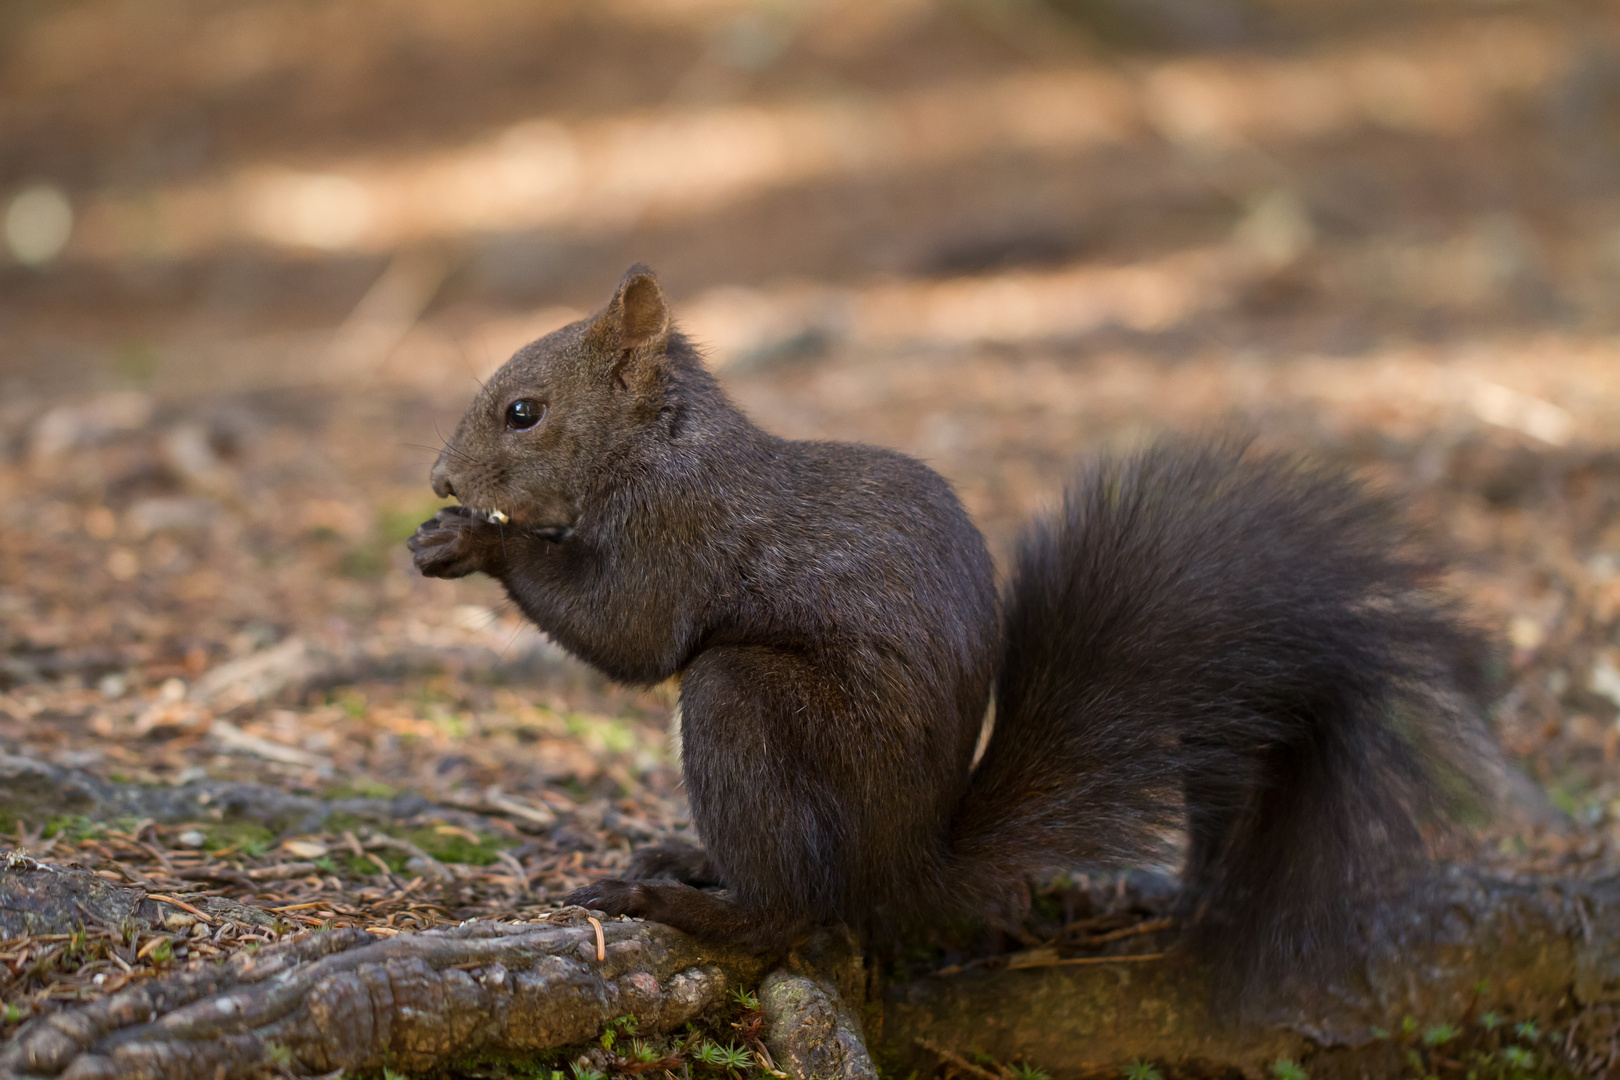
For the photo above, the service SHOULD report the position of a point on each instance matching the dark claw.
(611, 896)
(447, 545)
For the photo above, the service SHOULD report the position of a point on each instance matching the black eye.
(522, 415)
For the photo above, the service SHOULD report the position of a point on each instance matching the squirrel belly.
(1203, 642)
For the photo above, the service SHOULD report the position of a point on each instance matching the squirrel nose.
(440, 479)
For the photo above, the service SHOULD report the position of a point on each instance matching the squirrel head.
(563, 408)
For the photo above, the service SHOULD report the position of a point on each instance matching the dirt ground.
(999, 236)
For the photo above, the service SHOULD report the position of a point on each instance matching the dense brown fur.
(1200, 639)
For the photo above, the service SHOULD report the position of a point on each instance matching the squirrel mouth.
(497, 517)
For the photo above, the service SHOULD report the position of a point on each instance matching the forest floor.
(1385, 234)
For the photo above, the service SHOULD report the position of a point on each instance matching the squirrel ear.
(637, 315)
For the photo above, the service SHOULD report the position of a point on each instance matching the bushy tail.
(1236, 650)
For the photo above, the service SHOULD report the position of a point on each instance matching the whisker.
(461, 349)
(513, 639)
(423, 446)
(447, 448)
(452, 451)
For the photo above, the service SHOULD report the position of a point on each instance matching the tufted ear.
(637, 317)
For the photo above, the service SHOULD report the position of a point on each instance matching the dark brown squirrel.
(1203, 642)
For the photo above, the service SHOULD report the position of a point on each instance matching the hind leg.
(676, 861)
(786, 813)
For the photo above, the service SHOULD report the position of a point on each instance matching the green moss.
(360, 787)
(359, 865)
(446, 847)
(1440, 1034)
(248, 837)
(1288, 1069)
(599, 733)
(1487, 1049)
(452, 725)
(74, 827)
(729, 1058)
(454, 847)
(546, 1065)
(352, 702)
(1573, 795)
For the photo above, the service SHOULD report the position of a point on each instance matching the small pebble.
(192, 838)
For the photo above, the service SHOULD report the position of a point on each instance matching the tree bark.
(38, 898)
(1471, 944)
(349, 999)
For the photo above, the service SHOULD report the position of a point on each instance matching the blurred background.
(256, 255)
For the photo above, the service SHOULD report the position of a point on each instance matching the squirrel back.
(1202, 642)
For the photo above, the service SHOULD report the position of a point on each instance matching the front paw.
(451, 545)
(613, 896)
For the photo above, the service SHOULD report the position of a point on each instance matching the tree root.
(1461, 965)
(37, 898)
(348, 999)
(813, 1031)
(1477, 965)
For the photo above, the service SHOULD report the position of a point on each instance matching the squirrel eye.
(522, 415)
